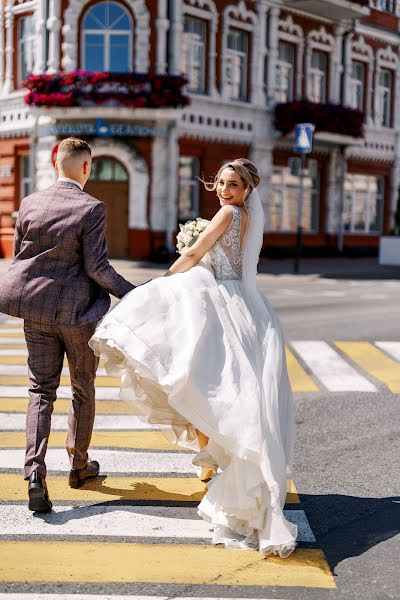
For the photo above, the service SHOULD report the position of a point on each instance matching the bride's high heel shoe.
(206, 474)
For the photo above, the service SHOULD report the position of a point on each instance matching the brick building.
(240, 59)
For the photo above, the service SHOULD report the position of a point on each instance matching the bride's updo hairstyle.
(246, 170)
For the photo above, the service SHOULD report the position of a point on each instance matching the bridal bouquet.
(189, 232)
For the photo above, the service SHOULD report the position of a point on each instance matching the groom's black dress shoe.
(77, 477)
(39, 500)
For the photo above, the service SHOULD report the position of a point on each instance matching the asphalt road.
(347, 445)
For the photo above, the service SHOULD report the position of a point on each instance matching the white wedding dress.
(204, 350)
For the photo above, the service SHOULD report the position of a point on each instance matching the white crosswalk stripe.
(17, 421)
(22, 370)
(330, 368)
(127, 521)
(21, 391)
(111, 461)
(391, 348)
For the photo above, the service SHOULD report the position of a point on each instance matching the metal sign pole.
(299, 216)
(303, 137)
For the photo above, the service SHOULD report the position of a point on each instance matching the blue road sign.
(303, 135)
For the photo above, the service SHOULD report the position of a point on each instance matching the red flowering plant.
(88, 88)
(334, 118)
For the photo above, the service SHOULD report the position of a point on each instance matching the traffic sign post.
(303, 136)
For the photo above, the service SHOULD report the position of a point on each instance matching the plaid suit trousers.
(47, 344)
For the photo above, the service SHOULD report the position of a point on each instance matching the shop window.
(26, 46)
(236, 63)
(282, 206)
(107, 169)
(284, 74)
(188, 203)
(357, 85)
(25, 179)
(384, 92)
(194, 53)
(318, 76)
(107, 38)
(363, 208)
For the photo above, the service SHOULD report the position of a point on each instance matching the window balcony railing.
(332, 118)
(86, 88)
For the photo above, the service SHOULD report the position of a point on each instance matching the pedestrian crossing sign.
(303, 134)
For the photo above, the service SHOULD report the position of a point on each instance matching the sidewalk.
(334, 268)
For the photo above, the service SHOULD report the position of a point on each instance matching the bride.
(201, 355)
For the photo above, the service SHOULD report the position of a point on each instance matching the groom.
(59, 283)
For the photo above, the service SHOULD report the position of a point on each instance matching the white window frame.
(291, 33)
(321, 41)
(193, 184)
(191, 51)
(21, 44)
(367, 204)
(357, 86)
(107, 35)
(384, 93)
(205, 10)
(285, 74)
(361, 52)
(318, 79)
(238, 17)
(386, 60)
(312, 166)
(235, 57)
(24, 180)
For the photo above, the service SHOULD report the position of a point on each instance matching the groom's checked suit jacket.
(60, 273)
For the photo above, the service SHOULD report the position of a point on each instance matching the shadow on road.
(347, 526)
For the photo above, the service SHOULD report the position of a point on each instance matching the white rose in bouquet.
(188, 234)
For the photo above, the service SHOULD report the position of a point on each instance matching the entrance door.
(109, 182)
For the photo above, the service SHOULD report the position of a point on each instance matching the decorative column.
(40, 58)
(172, 186)
(255, 61)
(332, 216)
(162, 26)
(175, 37)
(212, 57)
(1, 46)
(54, 27)
(262, 53)
(273, 16)
(337, 66)
(347, 66)
(9, 51)
(261, 154)
(45, 173)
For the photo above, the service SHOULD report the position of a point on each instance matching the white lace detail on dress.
(226, 256)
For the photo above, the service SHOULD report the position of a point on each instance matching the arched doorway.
(109, 182)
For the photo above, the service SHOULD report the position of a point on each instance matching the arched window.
(107, 34)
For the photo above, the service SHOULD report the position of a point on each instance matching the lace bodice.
(226, 256)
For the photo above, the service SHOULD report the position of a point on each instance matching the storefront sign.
(105, 130)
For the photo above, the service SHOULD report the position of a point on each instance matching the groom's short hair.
(72, 148)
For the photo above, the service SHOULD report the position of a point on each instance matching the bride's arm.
(205, 241)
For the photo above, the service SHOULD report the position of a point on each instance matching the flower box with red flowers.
(87, 88)
(334, 118)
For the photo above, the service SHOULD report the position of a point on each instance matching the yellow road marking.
(176, 489)
(61, 406)
(299, 379)
(91, 562)
(16, 346)
(20, 380)
(14, 334)
(139, 440)
(374, 361)
(13, 360)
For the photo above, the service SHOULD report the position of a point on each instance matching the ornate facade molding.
(70, 34)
